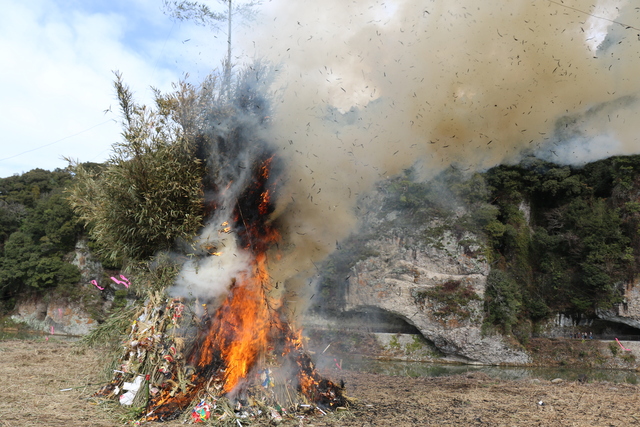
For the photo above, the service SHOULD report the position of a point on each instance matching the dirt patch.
(33, 373)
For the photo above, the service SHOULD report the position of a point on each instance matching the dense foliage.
(570, 238)
(149, 193)
(38, 230)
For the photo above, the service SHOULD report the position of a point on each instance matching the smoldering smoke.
(206, 276)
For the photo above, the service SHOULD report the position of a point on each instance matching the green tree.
(11, 215)
(26, 268)
(149, 193)
(19, 260)
(39, 229)
(502, 300)
(576, 250)
(52, 224)
(26, 189)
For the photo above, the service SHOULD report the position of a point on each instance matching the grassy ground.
(33, 373)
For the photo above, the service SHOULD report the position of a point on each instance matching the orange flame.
(240, 330)
(241, 333)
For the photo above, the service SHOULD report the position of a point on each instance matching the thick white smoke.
(215, 262)
(366, 89)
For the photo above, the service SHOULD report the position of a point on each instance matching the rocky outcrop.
(404, 279)
(628, 312)
(59, 315)
(83, 259)
(417, 258)
(55, 316)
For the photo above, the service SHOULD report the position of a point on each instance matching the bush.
(613, 347)
(150, 192)
(502, 300)
(449, 299)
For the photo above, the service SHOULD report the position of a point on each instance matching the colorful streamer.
(94, 283)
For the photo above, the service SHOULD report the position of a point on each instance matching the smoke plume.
(366, 89)
(208, 277)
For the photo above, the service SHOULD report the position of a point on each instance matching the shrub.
(449, 299)
(613, 347)
(502, 300)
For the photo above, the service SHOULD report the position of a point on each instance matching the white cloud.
(600, 20)
(57, 74)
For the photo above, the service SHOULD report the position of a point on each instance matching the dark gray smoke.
(232, 139)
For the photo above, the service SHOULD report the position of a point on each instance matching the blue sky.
(56, 81)
(447, 78)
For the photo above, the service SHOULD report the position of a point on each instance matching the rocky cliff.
(54, 316)
(64, 315)
(439, 291)
(627, 312)
(425, 269)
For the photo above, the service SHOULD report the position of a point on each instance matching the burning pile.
(175, 360)
(243, 359)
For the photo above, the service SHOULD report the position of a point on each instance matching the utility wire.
(164, 45)
(595, 16)
(55, 142)
(155, 69)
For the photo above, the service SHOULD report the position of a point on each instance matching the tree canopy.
(38, 229)
(571, 234)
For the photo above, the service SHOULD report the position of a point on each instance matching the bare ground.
(33, 373)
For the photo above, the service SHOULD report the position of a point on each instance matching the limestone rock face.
(399, 281)
(89, 268)
(53, 316)
(628, 312)
(429, 268)
(58, 315)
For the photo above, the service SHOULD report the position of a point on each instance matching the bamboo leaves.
(149, 193)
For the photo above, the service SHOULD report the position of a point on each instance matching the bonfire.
(233, 358)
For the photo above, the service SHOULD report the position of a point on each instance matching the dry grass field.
(33, 373)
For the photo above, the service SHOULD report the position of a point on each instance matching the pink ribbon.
(621, 346)
(94, 283)
(124, 281)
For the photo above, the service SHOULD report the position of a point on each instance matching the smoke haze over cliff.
(366, 89)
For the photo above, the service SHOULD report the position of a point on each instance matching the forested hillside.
(560, 239)
(38, 229)
(568, 239)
